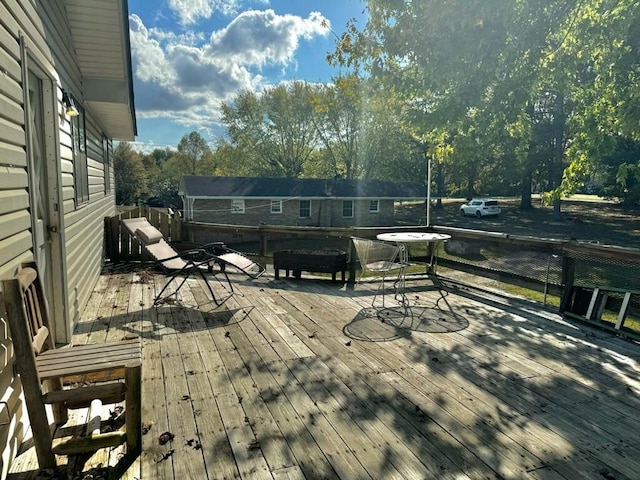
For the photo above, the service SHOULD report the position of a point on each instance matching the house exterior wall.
(324, 213)
(362, 217)
(35, 34)
(256, 212)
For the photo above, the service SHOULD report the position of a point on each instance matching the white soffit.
(100, 30)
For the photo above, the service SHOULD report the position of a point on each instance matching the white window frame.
(237, 206)
(276, 206)
(80, 160)
(106, 161)
(374, 206)
(300, 209)
(344, 204)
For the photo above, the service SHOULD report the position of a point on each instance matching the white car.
(480, 207)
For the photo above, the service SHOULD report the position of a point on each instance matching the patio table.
(403, 239)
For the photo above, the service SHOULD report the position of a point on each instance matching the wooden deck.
(298, 379)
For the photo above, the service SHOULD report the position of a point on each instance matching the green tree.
(194, 154)
(130, 175)
(339, 106)
(468, 62)
(275, 132)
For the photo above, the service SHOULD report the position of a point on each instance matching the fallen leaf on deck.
(165, 437)
(166, 455)
(253, 444)
(146, 426)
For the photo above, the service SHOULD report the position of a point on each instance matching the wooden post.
(263, 242)
(133, 409)
(568, 277)
(352, 264)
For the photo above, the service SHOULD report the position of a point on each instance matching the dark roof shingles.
(202, 186)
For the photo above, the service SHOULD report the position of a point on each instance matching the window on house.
(347, 209)
(106, 161)
(276, 206)
(80, 169)
(305, 208)
(374, 206)
(237, 206)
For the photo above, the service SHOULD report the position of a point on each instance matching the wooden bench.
(298, 261)
(108, 372)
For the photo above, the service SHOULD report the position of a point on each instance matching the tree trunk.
(556, 173)
(525, 199)
(470, 190)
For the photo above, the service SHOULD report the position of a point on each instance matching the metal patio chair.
(379, 258)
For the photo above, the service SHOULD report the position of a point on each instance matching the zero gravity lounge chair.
(213, 258)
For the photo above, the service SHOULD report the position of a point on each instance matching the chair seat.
(383, 266)
(90, 359)
(242, 263)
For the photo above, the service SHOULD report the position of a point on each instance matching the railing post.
(263, 242)
(352, 264)
(568, 276)
(176, 228)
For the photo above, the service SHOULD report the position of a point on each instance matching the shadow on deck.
(305, 379)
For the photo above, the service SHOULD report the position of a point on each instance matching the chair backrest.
(376, 256)
(28, 317)
(154, 243)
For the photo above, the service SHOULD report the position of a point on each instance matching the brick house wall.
(255, 213)
(324, 213)
(362, 217)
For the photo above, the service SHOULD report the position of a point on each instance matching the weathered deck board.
(293, 379)
(155, 462)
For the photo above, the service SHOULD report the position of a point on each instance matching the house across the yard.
(294, 201)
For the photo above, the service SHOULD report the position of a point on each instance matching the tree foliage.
(130, 175)
(463, 64)
(194, 154)
(275, 132)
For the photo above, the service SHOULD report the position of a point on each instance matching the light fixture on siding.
(70, 109)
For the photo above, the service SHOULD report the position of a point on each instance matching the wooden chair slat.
(40, 339)
(81, 398)
(78, 445)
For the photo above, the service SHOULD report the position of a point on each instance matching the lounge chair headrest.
(149, 234)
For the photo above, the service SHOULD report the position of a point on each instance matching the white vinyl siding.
(78, 239)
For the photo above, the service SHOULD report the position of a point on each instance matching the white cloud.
(259, 37)
(180, 76)
(191, 11)
(149, 146)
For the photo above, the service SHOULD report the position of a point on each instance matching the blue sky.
(191, 55)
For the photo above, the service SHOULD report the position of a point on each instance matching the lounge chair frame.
(213, 258)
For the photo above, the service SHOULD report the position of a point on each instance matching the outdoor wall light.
(69, 105)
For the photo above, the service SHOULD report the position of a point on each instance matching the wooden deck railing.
(119, 245)
(542, 264)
